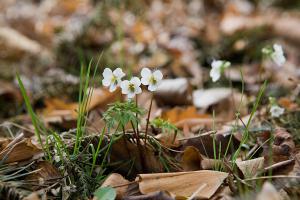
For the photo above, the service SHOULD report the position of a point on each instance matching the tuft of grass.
(34, 119)
(246, 130)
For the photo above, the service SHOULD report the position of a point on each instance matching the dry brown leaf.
(101, 97)
(287, 103)
(118, 182)
(173, 92)
(59, 108)
(177, 114)
(152, 196)
(249, 168)
(22, 150)
(32, 196)
(282, 147)
(204, 143)
(191, 159)
(46, 172)
(169, 139)
(208, 163)
(125, 150)
(183, 183)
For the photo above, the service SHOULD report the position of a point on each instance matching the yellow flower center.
(153, 81)
(131, 87)
(114, 80)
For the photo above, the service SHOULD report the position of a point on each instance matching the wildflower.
(112, 79)
(276, 111)
(132, 87)
(218, 67)
(55, 191)
(152, 79)
(277, 55)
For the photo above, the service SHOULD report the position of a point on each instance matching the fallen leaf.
(151, 196)
(173, 92)
(249, 168)
(178, 114)
(124, 150)
(206, 98)
(183, 184)
(32, 196)
(191, 159)
(101, 97)
(205, 144)
(46, 173)
(282, 147)
(22, 150)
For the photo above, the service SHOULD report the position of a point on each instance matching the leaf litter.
(223, 123)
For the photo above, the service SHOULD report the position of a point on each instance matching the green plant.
(105, 193)
(122, 113)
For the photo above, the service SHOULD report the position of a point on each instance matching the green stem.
(148, 119)
(97, 150)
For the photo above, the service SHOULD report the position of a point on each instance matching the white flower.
(152, 79)
(276, 111)
(132, 87)
(277, 55)
(217, 67)
(112, 79)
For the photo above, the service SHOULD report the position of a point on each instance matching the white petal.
(107, 73)
(135, 81)
(216, 63)
(278, 58)
(119, 73)
(276, 111)
(146, 72)
(112, 87)
(152, 88)
(158, 75)
(106, 82)
(277, 48)
(138, 90)
(145, 81)
(215, 74)
(124, 86)
(130, 95)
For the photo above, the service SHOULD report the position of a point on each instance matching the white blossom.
(277, 55)
(217, 67)
(152, 79)
(276, 111)
(132, 87)
(112, 79)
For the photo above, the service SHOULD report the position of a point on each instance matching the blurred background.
(45, 41)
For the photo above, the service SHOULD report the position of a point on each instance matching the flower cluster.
(132, 87)
(275, 110)
(217, 68)
(276, 54)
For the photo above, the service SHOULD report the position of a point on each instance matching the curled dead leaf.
(249, 168)
(173, 92)
(19, 151)
(183, 184)
(191, 159)
(46, 172)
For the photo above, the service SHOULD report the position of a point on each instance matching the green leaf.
(105, 193)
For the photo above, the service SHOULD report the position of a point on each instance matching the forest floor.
(212, 113)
